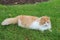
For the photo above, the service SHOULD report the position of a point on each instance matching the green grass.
(14, 32)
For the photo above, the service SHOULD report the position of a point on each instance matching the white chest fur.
(37, 26)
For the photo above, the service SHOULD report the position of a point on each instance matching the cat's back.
(27, 20)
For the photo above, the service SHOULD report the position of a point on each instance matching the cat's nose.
(46, 24)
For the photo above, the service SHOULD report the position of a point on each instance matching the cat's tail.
(10, 21)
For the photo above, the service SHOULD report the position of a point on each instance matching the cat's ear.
(48, 17)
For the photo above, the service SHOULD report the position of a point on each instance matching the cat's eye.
(47, 22)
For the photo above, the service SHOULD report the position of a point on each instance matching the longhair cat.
(31, 22)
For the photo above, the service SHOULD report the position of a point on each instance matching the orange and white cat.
(31, 22)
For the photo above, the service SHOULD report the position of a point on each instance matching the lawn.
(14, 32)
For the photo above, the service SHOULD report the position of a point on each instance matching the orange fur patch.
(27, 20)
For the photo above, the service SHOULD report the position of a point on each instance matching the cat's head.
(44, 20)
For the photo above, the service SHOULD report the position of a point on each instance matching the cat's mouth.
(46, 25)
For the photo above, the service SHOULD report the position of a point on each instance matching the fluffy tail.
(10, 21)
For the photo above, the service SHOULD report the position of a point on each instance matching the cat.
(31, 22)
